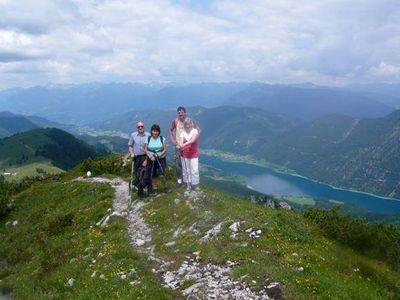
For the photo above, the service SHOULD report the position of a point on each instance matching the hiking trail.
(210, 281)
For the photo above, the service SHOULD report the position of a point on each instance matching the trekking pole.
(131, 181)
(150, 179)
(159, 164)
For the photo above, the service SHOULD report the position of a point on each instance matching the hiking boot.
(151, 192)
(140, 194)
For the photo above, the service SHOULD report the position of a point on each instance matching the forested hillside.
(355, 153)
(44, 145)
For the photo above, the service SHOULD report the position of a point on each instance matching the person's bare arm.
(131, 153)
(164, 149)
(192, 140)
(172, 132)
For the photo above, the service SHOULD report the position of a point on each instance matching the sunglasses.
(140, 126)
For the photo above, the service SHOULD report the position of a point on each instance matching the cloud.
(325, 42)
(385, 69)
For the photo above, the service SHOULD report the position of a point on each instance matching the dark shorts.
(157, 169)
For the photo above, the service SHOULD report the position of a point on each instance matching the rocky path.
(209, 281)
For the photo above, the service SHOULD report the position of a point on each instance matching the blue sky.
(331, 42)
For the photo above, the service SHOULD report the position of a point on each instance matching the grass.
(290, 250)
(56, 239)
(31, 170)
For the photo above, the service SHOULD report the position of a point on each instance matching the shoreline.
(279, 169)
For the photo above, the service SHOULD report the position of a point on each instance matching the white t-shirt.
(188, 136)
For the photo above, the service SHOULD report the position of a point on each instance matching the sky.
(330, 42)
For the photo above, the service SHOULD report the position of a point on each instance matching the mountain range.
(88, 103)
(355, 153)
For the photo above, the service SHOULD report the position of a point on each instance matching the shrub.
(378, 240)
(113, 164)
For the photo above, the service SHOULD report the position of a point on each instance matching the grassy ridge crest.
(57, 239)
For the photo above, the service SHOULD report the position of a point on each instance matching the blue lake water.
(269, 181)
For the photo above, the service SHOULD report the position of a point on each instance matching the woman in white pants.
(190, 155)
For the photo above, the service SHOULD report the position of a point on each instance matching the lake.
(268, 181)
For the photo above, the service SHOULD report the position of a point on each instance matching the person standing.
(175, 131)
(156, 150)
(189, 146)
(136, 148)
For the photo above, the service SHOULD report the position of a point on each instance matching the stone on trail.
(71, 281)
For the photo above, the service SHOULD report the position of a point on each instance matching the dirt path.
(209, 281)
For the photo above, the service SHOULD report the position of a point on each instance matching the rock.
(102, 276)
(270, 203)
(88, 174)
(123, 276)
(170, 244)
(285, 205)
(168, 277)
(72, 260)
(93, 274)
(235, 227)
(177, 201)
(191, 289)
(274, 290)
(139, 242)
(71, 281)
(249, 230)
(211, 233)
(14, 223)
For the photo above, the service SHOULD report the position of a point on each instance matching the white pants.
(190, 170)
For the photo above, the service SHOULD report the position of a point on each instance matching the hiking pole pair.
(159, 164)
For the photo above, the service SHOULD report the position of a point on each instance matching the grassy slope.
(56, 227)
(288, 242)
(13, 148)
(42, 145)
(30, 170)
(56, 239)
